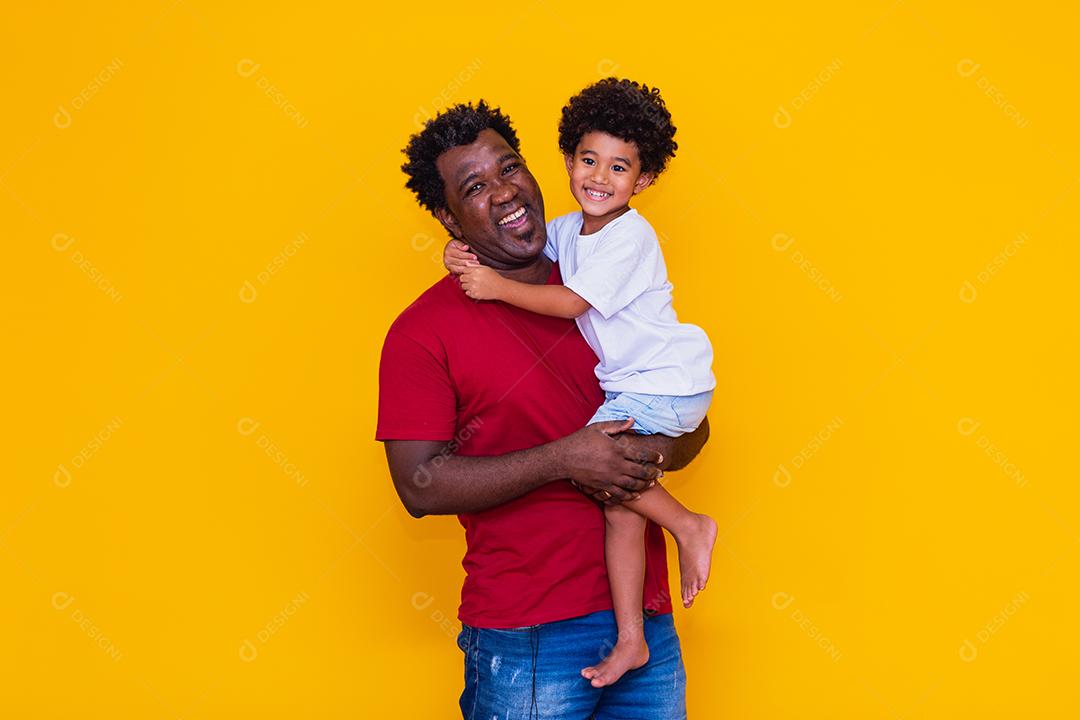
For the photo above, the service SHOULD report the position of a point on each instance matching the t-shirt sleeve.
(619, 269)
(417, 400)
(551, 247)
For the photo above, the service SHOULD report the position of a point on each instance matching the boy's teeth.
(596, 194)
(513, 216)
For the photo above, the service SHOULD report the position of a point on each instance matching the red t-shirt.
(494, 379)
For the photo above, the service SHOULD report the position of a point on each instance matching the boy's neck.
(590, 224)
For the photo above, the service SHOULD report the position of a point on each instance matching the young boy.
(617, 137)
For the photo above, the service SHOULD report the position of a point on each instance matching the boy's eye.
(588, 161)
(618, 168)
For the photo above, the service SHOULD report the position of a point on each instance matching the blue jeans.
(655, 414)
(535, 672)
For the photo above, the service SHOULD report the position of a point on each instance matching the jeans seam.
(675, 411)
(476, 673)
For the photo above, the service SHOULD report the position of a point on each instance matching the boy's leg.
(656, 691)
(694, 533)
(624, 550)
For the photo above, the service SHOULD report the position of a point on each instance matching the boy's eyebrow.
(625, 161)
(475, 173)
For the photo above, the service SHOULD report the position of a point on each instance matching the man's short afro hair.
(453, 127)
(627, 110)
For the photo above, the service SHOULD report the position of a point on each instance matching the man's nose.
(504, 192)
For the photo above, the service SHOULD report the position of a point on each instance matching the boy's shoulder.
(630, 223)
(632, 228)
(565, 225)
(634, 222)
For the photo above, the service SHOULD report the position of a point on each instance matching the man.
(481, 408)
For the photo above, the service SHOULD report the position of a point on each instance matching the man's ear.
(448, 221)
(643, 181)
(569, 162)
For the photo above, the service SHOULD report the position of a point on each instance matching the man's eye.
(510, 168)
(474, 189)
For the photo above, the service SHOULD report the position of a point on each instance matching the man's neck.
(536, 273)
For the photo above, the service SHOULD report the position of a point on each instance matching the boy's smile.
(605, 173)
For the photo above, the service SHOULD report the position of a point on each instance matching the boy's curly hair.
(626, 109)
(455, 126)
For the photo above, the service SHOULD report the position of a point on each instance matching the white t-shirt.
(632, 327)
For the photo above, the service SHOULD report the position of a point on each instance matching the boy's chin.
(599, 212)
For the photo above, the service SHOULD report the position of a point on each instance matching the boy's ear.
(643, 181)
(569, 162)
(444, 216)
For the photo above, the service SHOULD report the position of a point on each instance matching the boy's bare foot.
(695, 543)
(626, 655)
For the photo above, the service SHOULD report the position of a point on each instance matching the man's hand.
(456, 257)
(610, 470)
(481, 282)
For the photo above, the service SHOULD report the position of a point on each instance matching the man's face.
(494, 202)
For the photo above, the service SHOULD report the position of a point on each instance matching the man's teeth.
(513, 216)
(597, 195)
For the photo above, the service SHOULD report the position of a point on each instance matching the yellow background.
(872, 213)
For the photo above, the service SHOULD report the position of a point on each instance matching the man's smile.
(514, 219)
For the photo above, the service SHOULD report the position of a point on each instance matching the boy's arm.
(483, 283)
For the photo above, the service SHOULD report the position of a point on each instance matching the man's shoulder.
(428, 312)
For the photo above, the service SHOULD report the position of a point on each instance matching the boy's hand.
(456, 258)
(481, 282)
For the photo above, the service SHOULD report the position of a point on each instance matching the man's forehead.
(488, 147)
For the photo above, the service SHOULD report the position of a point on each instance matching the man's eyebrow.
(475, 173)
(468, 177)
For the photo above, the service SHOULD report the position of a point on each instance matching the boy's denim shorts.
(671, 415)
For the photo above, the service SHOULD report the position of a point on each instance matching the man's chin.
(523, 244)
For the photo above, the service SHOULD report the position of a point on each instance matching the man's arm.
(482, 283)
(678, 452)
(675, 452)
(430, 480)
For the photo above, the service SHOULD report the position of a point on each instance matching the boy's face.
(605, 172)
